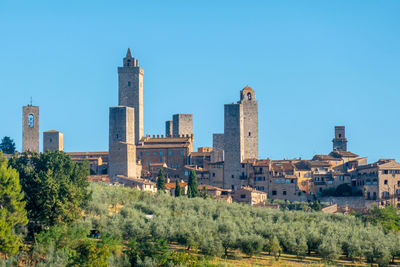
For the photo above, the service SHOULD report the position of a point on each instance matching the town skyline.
(296, 118)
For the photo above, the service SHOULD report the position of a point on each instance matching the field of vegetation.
(118, 226)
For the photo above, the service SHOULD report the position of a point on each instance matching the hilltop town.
(231, 169)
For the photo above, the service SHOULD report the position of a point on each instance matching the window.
(249, 133)
(393, 172)
(341, 178)
(148, 163)
(233, 176)
(262, 188)
(292, 181)
(282, 181)
(213, 175)
(249, 96)
(160, 159)
(398, 183)
(288, 181)
(161, 153)
(181, 152)
(242, 166)
(277, 181)
(368, 182)
(375, 181)
(170, 153)
(31, 121)
(141, 153)
(154, 153)
(385, 182)
(129, 83)
(274, 193)
(186, 173)
(385, 171)
(284, 193)
(242, 196)
(147, 153)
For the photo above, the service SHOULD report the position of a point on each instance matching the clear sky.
(312, 64)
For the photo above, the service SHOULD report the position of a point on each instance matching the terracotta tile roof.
(101, 153)
(343, 154)
(324, 157)
(200, 154)
(210, 187)
(173, 185)
(158, 146)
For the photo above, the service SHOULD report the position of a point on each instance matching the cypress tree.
(161, 180)
(178, 189)
(193, 190)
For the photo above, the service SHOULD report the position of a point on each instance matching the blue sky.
(312, 64)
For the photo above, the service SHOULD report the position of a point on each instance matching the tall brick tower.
(30, 128)
(130, 90)
(240, 137)
(340, 141)
(121, 142)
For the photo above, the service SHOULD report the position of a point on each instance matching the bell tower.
(340, 141)
(130, 90)
(30, 128)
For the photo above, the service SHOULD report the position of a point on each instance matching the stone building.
(98, 161)
(249, 195)
(30, 128)
(122, 149)
(217, 155)
(379, 181)
(130, 90)
(340, 141)
(173, 150)
(201, 158)
(182, 124)
(240, 136)
(53, 141)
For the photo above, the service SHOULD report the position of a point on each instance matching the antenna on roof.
(31, 101)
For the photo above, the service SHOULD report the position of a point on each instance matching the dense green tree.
(193, 190)
(7, 145)
(204, 192)
(388, 217)
(161, 180)
(275, 248)
(178, 189)
(56, 188)
(12, 208)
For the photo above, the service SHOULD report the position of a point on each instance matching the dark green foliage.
(55, 187)
(193, 190)
(7, 145)
(178, 189)
(388, 217)
(12, 208)
(204, 192)
(343, 190)
(161, 180)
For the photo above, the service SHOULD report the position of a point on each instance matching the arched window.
(249, 96)
(31, 121)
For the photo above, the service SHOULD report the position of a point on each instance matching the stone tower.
(53, 141)
(121, 142)
(240, 137)
(340, 141)
(168, 128)
(130, 90)
(182, 124)
(30, 128)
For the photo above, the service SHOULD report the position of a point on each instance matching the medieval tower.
(30, 128)
(121, 142)
(130, 90)
(340, 141)
(240, 137)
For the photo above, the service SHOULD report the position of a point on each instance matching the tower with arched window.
(30, 128)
